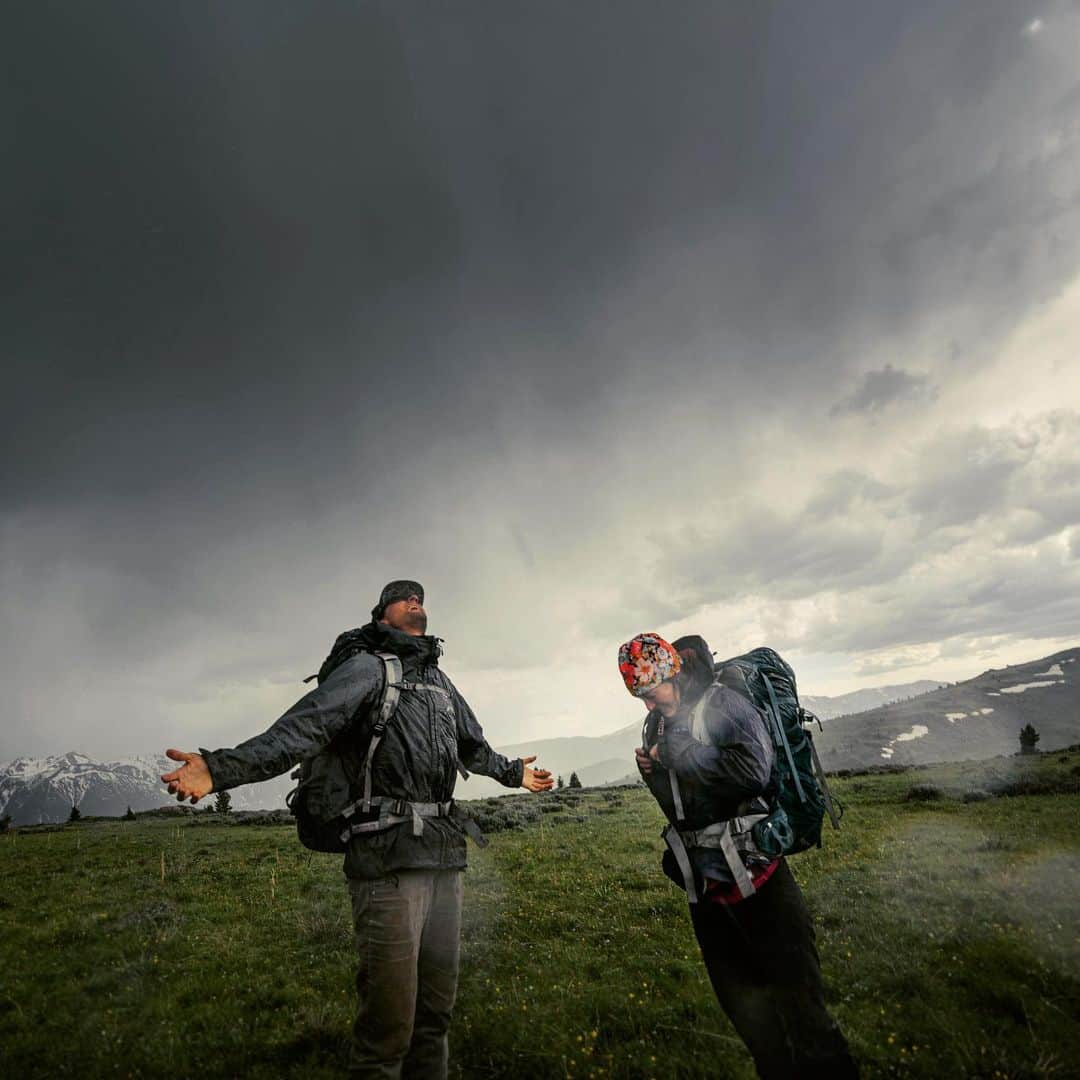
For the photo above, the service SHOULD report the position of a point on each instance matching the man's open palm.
(535, 779)
(192, 780)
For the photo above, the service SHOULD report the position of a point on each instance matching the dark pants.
(764, 967)
(408, 927)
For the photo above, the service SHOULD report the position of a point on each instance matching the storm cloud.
(592, 318)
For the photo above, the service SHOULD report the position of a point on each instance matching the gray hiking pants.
(408, 927)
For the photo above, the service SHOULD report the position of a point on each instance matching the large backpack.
(324, 800)
(797, 795)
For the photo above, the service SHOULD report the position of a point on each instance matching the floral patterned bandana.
(646, 661)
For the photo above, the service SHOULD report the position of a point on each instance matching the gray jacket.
(719, 778)
(416, 759)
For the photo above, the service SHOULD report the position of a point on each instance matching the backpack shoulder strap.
(391, 691)
(388, 702)
(697, 713)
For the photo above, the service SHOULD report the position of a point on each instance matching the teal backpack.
(799, 797)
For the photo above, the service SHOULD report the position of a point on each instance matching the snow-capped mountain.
(35, 790)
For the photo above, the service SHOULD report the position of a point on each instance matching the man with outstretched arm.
(405, 846)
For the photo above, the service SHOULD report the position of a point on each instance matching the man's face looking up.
(408, 616)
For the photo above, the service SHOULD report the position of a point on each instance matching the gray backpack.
(323, 801)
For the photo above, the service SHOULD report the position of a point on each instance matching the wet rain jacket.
(416, 760)
(718, 779)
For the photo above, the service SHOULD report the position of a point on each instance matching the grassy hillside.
(949, 932)
(978, 718)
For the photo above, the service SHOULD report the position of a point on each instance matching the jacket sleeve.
(302, 731)
(738, 763)
(474, 752)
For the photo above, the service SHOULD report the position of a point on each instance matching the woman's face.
(664, 697)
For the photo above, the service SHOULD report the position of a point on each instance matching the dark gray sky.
(752, 319)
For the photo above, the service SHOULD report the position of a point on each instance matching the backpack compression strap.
(779, 725)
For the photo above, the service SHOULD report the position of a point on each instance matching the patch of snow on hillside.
(992, 693)
(917, 732)
(986, 712)
(1021, 687)
(1055, 670)
(952, 717)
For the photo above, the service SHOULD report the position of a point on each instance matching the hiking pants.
(763, 964)
(407, 935)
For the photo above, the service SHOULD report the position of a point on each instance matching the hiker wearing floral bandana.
(707, 756)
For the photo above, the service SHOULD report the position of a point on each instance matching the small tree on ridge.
(1028, 738)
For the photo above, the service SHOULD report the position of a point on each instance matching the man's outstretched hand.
(535, 779)
(192, 780)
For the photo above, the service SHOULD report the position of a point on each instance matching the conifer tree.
(574, 781)
(1028, 738)
(559, 781)
(130, 815)
(74, 815)
(222, 803)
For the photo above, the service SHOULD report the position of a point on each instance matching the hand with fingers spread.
(535, 779)
(192, 780)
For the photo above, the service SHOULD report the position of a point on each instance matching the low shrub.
(923, 793)
(1049, 785)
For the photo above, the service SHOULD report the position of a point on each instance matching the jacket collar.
(425, 649)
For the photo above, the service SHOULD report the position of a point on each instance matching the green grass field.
(949, 932)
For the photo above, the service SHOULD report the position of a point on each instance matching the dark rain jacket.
(718, 779)
(416, 759)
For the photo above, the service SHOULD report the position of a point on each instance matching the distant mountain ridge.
(975, 719)
(978, 718)
(608, 759)
(825, 708)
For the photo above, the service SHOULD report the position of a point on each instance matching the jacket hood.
(381, 637)
(425, 650)
(697, 672)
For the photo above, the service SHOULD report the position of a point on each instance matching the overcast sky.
(755, 320)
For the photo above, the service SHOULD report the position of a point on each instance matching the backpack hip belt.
(394, 812)
(730, 838)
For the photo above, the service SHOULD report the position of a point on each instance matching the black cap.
(396, 590)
